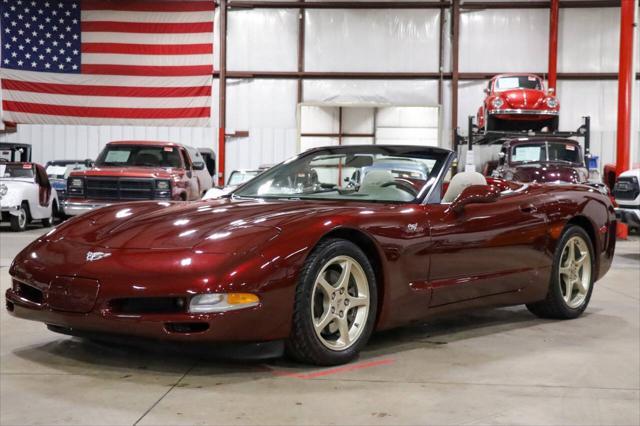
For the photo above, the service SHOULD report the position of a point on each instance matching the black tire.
(552, 124)
(303, 344)
(554, 305)
(19, 223)
(48, 223)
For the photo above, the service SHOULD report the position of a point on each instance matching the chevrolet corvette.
(303, 260)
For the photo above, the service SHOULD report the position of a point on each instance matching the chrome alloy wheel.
(340, 303)
(575, 272)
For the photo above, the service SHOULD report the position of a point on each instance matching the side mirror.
(198, 166)
(486, 90)
(475, 194)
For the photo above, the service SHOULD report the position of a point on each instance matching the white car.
(237, 178)
(26, 195)
(627, 194)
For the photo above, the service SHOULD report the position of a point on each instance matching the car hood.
(523, 98)
(549, 172)
(216, 226)
(133, 172)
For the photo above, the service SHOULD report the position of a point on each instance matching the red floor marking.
(337, 370)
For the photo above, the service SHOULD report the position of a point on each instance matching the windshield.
(16, 171)
(375, 173)
(241, 176)
(546, 152)
(142, 156)
(518, 82)
(63, 172)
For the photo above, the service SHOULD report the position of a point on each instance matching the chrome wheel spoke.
(326, 288)
(571, 253)
(356, 302)
(324, 322)
(565, 270)
(580, 286)
(343, 329)
(580, 261)
(568, 290)
(345, 275)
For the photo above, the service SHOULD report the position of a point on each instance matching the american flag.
(107, 62)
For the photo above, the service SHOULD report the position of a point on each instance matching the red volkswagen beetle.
(518, 102)
(297, 258)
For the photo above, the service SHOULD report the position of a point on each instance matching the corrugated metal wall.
(378, 40)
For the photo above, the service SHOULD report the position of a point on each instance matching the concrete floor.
(500, 366)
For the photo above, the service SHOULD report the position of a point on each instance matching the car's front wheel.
(572, 277)
(335, 305)
(19, 221)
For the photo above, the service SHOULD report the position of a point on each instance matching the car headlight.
(222, 302)
(497, 102)
(3, 190)
(76, 182)
(163, 184)
(552, 102)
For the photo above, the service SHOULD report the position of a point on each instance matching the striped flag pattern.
(130, 62)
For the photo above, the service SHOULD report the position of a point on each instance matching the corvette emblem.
(92, 256)
(412, 227)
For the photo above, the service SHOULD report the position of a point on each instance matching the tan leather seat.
(460, 182)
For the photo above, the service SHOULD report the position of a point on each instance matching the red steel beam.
(311, 75)
(553, 43)
(223, 92)
(261, 4)
(625, 82)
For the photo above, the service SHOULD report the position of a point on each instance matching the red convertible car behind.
(295, 259)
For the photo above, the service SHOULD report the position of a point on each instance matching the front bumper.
(72, 208)
(630, 216)
(5, 211)
(178, 328)
(525, 112)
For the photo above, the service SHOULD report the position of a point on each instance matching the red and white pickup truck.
(138, 170)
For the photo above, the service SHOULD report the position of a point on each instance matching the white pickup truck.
(627, 194)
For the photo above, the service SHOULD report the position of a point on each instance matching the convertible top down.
(305, 258)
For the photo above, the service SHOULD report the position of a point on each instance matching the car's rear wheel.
(572, 277)
(19, 221)
(335, 305)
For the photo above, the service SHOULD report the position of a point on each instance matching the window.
(518, 82)
(141, 156)
(547, 151)
(17, 171)
(372, 173)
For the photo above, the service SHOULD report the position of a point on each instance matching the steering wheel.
(403, 185)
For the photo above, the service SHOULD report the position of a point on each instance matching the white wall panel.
(372, 40)
(589, 40)
(262, 40)
(319, 119)
(51, 142)
(267, 109)
(504, 40)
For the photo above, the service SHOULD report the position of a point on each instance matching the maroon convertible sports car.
(306, 259)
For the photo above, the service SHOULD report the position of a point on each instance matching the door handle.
(528, 208)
